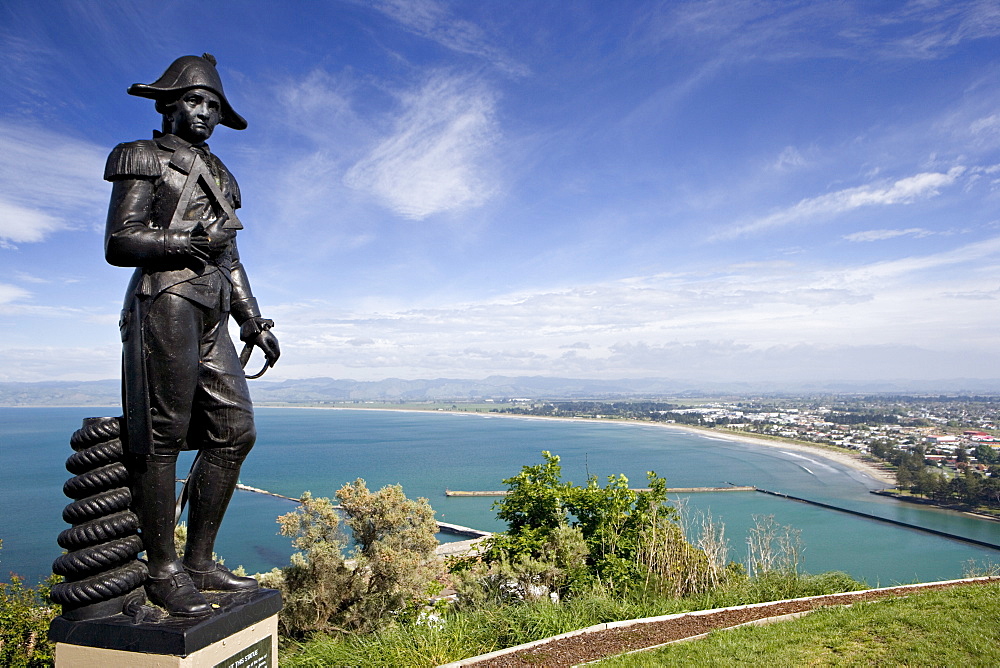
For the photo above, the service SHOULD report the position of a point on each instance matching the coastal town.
(944, 424)
(942, 448)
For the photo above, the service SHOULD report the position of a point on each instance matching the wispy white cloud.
(803, 363)
(50, 363)
(882, 235)
(989, 124)
(903, 191)
(432, 20)
(30, 278)
(919, 316)
(10, 293)
(794, 318)
(319, 106)
(49, 182)
(58, 311)
(966, 255)
(747, 30)
(26, 56)
(931, 29)
(436, 157)
(790, 158)
(22, 224)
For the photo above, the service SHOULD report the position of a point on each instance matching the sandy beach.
(848, 459)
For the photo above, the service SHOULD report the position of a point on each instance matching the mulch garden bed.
(599, 644)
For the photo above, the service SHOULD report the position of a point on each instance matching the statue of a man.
(172, 216)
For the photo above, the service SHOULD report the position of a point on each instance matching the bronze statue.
(173, 217)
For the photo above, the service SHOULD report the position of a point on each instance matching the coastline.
(846, 459)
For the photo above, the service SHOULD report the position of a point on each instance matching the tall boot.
(209, 490)
(153, 491)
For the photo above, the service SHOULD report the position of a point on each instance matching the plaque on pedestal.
(241, 633)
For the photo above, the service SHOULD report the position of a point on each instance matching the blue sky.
(728, 191)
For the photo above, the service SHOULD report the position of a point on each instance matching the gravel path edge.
(609, 626)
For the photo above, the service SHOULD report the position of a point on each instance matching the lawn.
(953, 627)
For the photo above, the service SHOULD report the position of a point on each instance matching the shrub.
(564, 537)
(390, 567)
(25, 614)
(515, 574)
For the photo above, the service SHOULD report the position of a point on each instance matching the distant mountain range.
(326, 390)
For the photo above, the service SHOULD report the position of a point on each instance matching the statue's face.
(195, 115)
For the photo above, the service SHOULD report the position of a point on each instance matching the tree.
(986, 454)
(535, 498)
(971, 486)
(627, 534)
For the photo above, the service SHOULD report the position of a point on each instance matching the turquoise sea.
(320, 450)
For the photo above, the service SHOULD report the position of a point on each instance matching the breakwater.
(858, 513)
(670, 490)
(458, 530)
(257, 490)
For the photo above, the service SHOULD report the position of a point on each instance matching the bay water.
(319, 450)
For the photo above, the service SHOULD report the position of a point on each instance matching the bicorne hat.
(191, 72)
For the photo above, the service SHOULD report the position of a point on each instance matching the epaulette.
(134, 159)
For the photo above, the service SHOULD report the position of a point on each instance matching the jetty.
(248, 488)
(670, 490)
(475, 535)
(459, 530)
(886, 520)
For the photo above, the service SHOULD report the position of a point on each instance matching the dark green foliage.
(25, 614)
(967, 487)
(567, 536)
(862, 418)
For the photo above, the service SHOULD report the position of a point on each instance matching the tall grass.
(462, 634)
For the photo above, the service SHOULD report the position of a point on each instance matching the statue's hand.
(268, 343)
(209, 244)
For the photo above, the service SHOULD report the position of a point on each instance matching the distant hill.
(323, 390)
(62, 393)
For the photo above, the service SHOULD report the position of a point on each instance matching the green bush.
(25, 614)
(564, 537)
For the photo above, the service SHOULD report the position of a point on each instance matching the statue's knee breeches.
(231, 456)
(198, 395)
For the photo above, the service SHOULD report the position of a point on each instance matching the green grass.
(473, 632)
(953, 627)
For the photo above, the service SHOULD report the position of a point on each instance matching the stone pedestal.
(241, 633)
